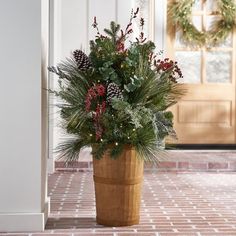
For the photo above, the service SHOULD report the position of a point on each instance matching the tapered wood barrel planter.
(118, 186)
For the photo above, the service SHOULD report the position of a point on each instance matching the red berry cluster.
(120, 46)
(169, 65)
(100, 109)
(96, 93)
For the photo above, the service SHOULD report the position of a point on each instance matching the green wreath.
(179, 13)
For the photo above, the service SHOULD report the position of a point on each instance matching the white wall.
(22, 173)
(75, 17)
(71, 21)
(159, 24)
(71, 28)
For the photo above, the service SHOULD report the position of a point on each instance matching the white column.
(54, 58)
(23, 146)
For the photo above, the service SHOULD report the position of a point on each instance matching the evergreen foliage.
(120, 99)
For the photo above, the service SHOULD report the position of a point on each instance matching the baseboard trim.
(46, 211)
(24, 222)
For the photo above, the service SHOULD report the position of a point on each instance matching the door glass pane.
(178, 40)
(218, 65)
(197, 5)
(189, 62)
(197, 22)
(211, 20)
(211, 5)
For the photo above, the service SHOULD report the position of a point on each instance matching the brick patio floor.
(180, 204)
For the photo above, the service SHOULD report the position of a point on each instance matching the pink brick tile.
(198, 166)
(16, 234)
(74, 230)
(183, 165)
(165, 164)
(138, 234)
(149, 165)
(218, 234)
(232, 165)
(90, 164)
(47, 234)
(223, 234)
(92, 234)
(114, 230)
(75, 164)
(178, 234)
(215, 165)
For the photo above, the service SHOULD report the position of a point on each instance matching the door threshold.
(201, 147)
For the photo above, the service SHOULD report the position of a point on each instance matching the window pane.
(189, 62)
(218, 65)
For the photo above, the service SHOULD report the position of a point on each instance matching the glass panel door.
(206, 114)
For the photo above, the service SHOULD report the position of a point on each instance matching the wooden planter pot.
(118, 188)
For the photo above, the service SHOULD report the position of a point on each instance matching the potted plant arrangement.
(115, 100)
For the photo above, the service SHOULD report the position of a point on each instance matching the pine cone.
(113, 91)
(82, 60)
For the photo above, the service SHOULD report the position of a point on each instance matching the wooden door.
(206, 114)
